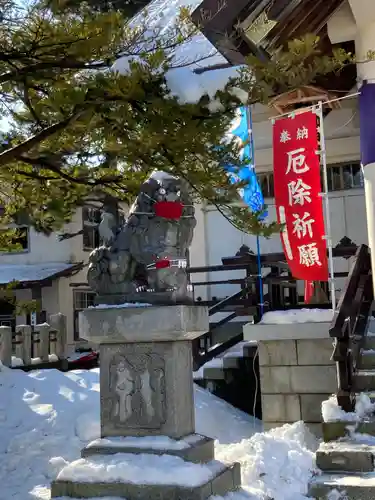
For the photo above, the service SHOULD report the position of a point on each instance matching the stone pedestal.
(147, 410)
(296, 372)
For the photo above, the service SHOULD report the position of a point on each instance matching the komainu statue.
(144, 260)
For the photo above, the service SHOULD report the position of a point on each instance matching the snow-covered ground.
(46, 417)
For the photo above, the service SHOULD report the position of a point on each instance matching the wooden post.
(6, 345)
(43, 330)
(25, 334)
(58, 323)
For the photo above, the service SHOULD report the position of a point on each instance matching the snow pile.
(277, 464)
(194, 53)
(332, 412)
(46, 417)
(120, 306)
(297, 316)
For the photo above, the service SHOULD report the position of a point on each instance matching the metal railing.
(279, 292)
(349, 323)
(203, 350)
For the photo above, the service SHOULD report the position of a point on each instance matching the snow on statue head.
(145, 260)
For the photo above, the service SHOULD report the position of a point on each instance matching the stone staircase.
(347, 456)
(234, 377)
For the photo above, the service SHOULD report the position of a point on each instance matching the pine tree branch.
(27, 101)
(85, 181)
(34, 175)
(68, 236)
(213, 67)
(32, 69)
(11, 154)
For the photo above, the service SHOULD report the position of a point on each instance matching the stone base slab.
(350, 487)
(143, 324)
(346, 456)
(222, 482)
(157, 298)
(287, 331)
(194, 448)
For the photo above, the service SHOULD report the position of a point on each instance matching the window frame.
(90, 226)
(76, 310)
(268, 178)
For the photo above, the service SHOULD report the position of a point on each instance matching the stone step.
(364, 380)
(337, 430)
(194, 448)
(370, 394)
(231, 361)
(227, 371)
(222, 368)
(214, 373)
(370, 341)
(346, 486)
(347, 456)
(367, 359)
(220, 479)
(250, 349)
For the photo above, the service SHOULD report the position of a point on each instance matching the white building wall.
(44, 249)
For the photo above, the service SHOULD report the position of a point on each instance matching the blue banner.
(250, 193)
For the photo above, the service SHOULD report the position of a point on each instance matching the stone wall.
(296, 374)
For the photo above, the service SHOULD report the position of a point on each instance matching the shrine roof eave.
(224, 28)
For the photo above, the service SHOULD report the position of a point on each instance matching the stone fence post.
(6, 336)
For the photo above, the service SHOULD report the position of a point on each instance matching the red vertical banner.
(297, 196)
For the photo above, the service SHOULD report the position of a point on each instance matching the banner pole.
(323, 157)
(259, 262)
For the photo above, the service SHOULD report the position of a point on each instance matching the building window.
(266, 185)
(82, 299)
(91, 220)
(345, 176)
(340, 177)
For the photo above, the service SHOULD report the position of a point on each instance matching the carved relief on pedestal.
(137, 390)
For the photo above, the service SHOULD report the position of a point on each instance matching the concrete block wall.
(296, 375)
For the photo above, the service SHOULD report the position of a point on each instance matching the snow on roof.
(31, 272)
(160, 175)
(195, 53)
